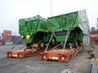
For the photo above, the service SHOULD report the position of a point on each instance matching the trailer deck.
(23, 53)
(60, 55)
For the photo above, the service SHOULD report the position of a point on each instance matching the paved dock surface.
(79, 64)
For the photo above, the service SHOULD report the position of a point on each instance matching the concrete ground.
(79, 64)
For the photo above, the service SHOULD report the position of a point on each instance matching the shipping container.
(12, 43)
(2, 34)
(5, 39)
(7, 43)
(94, 35)
(94, 32)
(0, 43)
(7, 33)
(16, 40)
(15, 37)
(93, 29)
(18, 43)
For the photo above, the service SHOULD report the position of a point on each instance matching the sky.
(13, 10)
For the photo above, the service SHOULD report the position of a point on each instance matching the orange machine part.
(60, 55)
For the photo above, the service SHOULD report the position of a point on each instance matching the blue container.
(8, 43)
(14, 42)
(94, 32)
(13, 37)
(2, 34)
(16, 37)
(18, 43)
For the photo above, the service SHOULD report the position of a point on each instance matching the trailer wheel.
(8, 55)
(41, 45)
(20, 56)
(45, 58)
(59, 59)
(53, 42)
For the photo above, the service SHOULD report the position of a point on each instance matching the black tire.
(41, 45)
(53, 42)
(80, 43)
(29, 45)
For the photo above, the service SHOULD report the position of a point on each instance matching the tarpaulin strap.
(66, 40)
(49, 42)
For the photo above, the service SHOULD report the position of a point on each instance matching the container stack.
(93, 29)
(17, 40)
(94, 35)
(6, 37)
(9, 39)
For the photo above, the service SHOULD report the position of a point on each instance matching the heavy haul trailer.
(38, 30)
(23, 53)
(77, 28)
(59, 54)
(29, 50)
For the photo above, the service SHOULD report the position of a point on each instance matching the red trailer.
(23, 53)
(60, 55)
